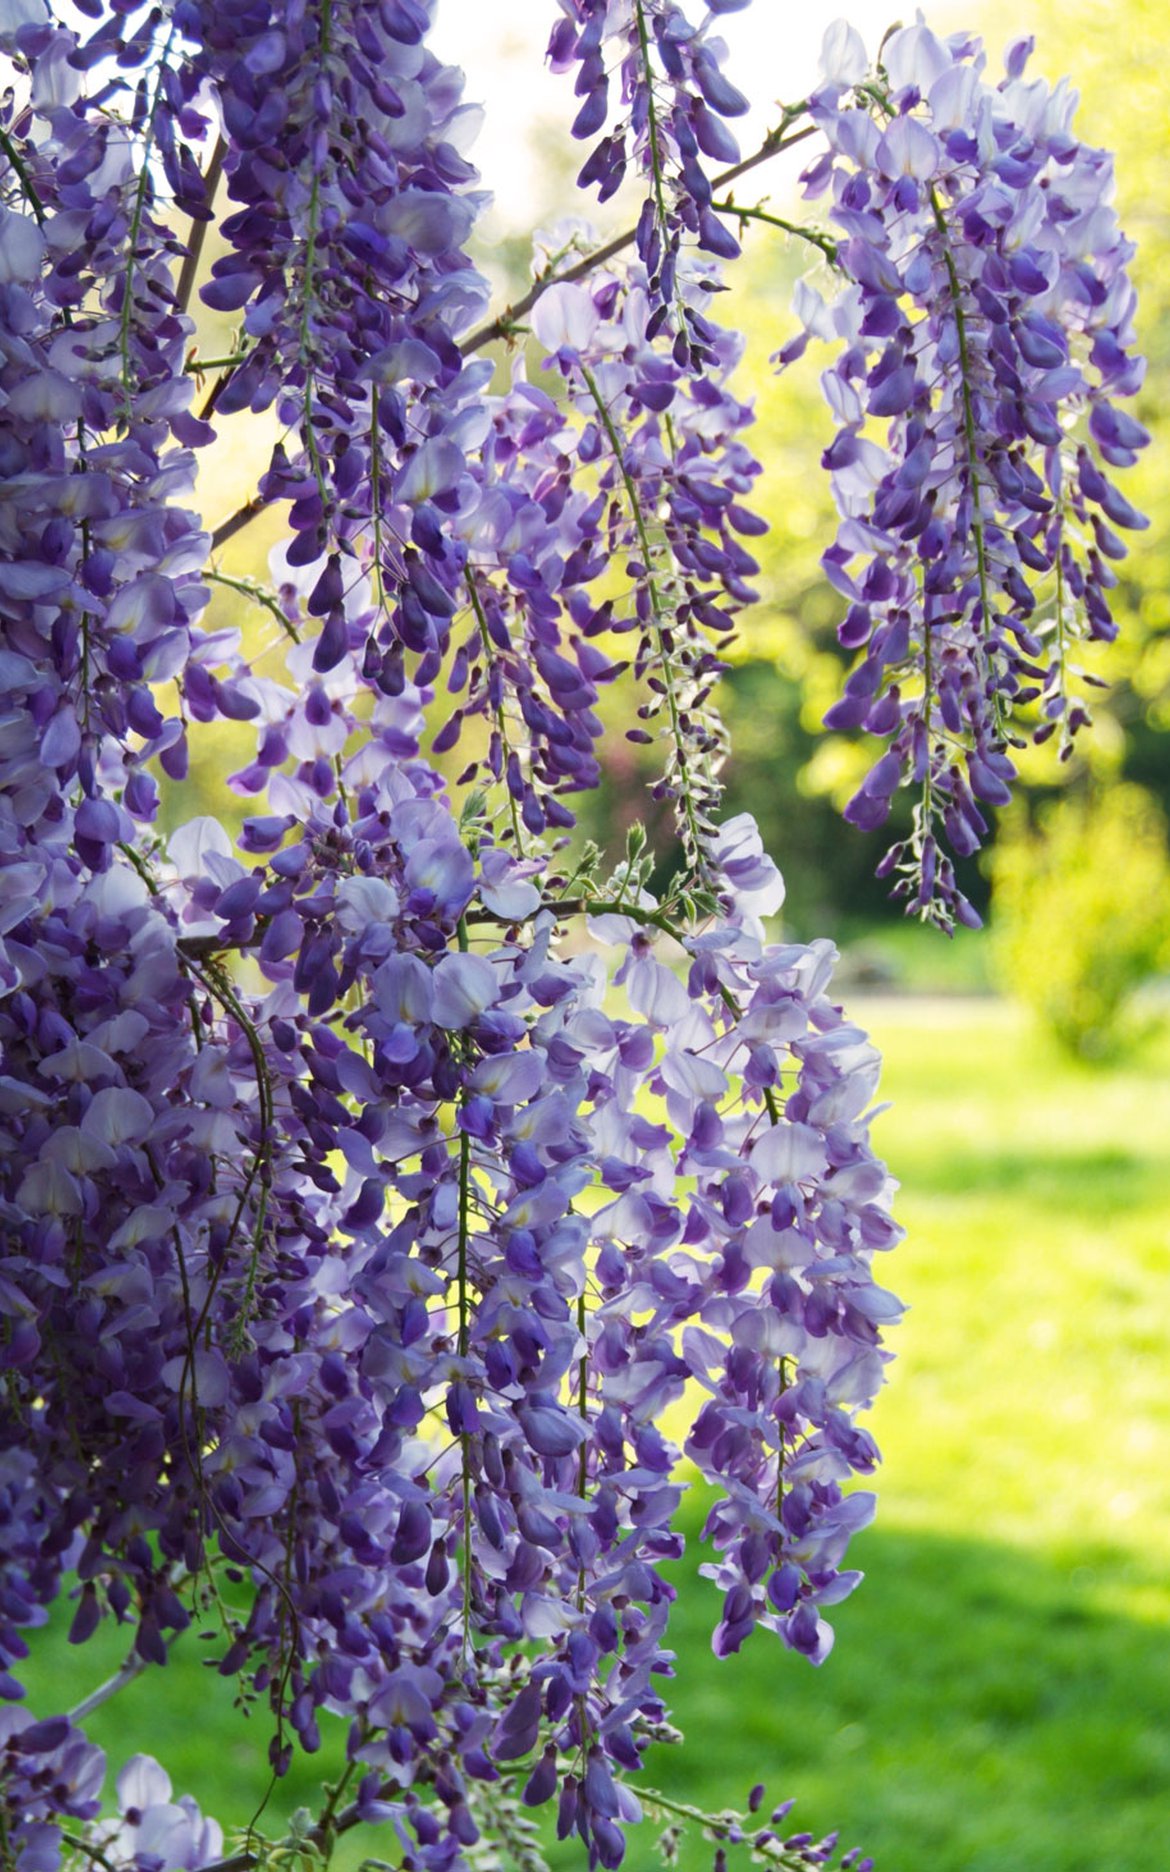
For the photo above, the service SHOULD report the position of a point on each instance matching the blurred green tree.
(1082, 914)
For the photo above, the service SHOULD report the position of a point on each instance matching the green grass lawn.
(999, 1698)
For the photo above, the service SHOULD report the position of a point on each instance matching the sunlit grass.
(1030, 1401)
(998, 1700)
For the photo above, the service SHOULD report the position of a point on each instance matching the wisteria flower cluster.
(985, 333)
(399, 1213)
(674, 101)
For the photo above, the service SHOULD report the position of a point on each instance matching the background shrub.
(1082, 914)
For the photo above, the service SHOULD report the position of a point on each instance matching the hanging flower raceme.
(768, 1271)
(672, 473)
(308, 1254)
(672, 106)
(101, 583)
(986, 336)
(344, 138)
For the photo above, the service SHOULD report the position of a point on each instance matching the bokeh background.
(999, 1698)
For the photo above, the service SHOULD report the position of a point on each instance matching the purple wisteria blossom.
(344, 140)
(985, 331)
(152, 1828)
(375, 1186)
(652, 78)
(47, 1770)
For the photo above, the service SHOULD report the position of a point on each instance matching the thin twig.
(132, 1668)
(772, 145)
(190, 266)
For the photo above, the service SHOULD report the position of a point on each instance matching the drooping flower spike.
(985, 333)
(652, 78)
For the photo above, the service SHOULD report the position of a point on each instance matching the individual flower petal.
(843, 58)
(464, 987)
(788, 1153)
(565, 315)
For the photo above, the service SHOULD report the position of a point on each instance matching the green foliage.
(1082, 914)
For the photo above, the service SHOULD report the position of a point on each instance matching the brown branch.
(190, 266)
(772, 145)
(235, 523)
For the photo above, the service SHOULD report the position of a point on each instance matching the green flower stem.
(20, 170)
(258, 595)
(215, 980)
(465, 1335)
(139, 209)
(824, 242)
(501, 719)
(970, 431)
(200, 366)
(305, 335)
(660, 611)
(728, 1826)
